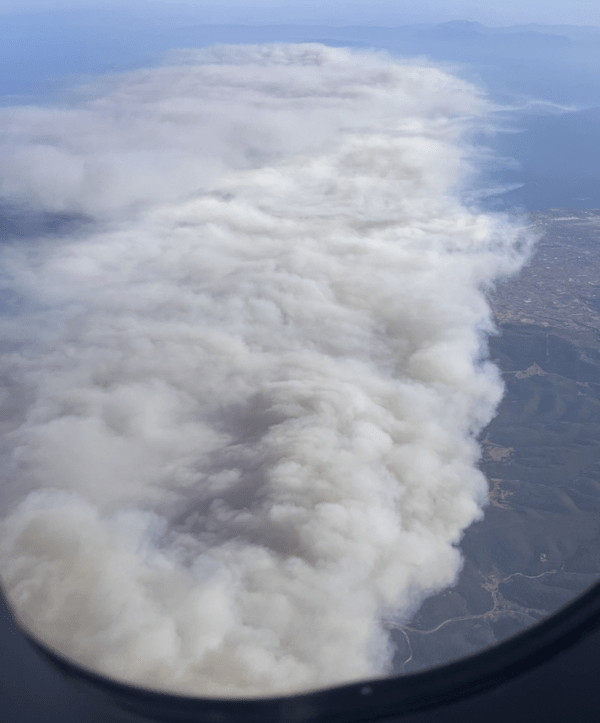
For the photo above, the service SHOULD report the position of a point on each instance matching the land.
(538, 544)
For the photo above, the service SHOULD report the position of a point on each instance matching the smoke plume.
(240, 404)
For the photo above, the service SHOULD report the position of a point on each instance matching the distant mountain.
(571, 31)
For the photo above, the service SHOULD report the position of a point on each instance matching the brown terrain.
(538, 545)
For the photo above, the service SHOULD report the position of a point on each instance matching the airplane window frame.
(431, 689)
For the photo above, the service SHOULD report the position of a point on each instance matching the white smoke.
(241, 412)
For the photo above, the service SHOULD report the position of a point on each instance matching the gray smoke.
(240, 412)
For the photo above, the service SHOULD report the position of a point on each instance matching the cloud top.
(241, 408)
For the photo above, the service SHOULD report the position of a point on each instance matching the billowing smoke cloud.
(240, 408)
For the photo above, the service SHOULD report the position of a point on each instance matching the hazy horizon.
(384, 12)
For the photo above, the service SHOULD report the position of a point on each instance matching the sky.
(378, 12)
